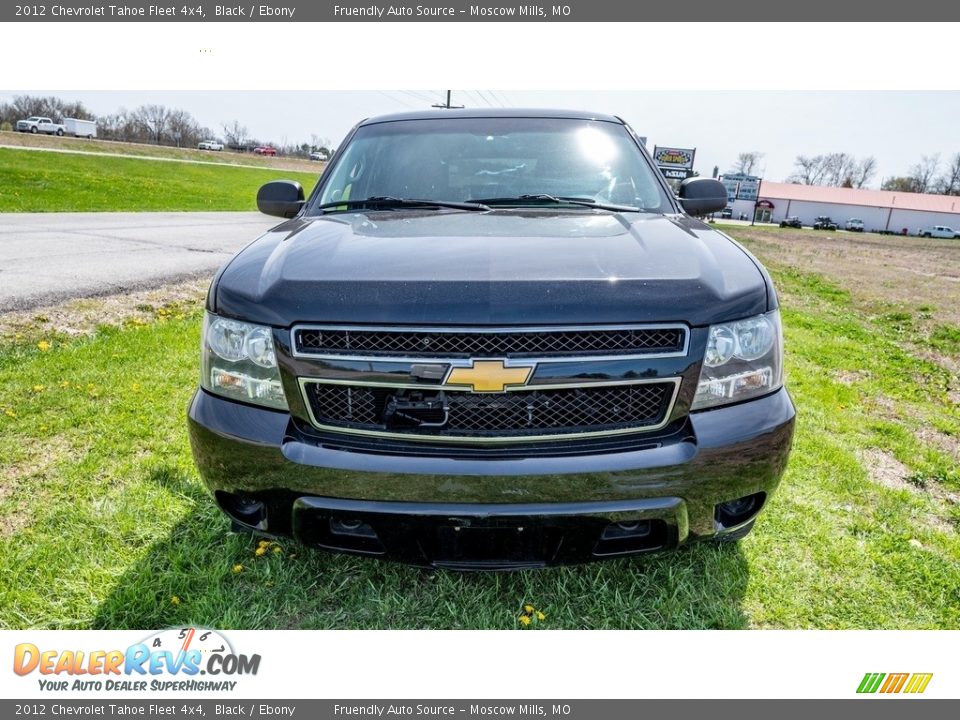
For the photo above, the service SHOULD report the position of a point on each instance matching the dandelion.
(64, 384)
(260, 551)
(528, 609)
(9, 413)
(525, 620)
(276, 550)
(541, 616)
(237, 569)
(38, 388)
(135, 387)
(174, 600)
(43, 346)
(264, 544)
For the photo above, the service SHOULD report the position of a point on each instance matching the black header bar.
(857, 12)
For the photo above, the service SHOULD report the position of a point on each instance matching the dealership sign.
(674, 163)
(740, 186)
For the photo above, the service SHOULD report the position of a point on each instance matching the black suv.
(823, 222)
(792, 221)
(492, 339)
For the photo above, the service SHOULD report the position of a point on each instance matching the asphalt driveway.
(49, 257)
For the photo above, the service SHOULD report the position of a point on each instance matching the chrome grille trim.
(681, 328)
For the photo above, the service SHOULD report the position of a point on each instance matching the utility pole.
(447, 105)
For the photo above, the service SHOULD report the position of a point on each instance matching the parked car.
(319, 156)
(80, 128)
(36, 124)
(854, 225)
(264, 150)
(210, 145)
(460, 353)
(939, 231)
(726, 213)
(792, 221)
(823, 222)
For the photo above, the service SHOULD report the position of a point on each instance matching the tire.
(736, 535)
(59, 133)
(33, 130)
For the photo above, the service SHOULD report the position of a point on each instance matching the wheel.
(736, 535)
(33, 130)
(59, 133)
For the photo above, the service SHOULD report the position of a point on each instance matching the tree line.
(840, 169)
(150, 123)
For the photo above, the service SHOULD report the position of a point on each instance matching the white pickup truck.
(38, 124)
(939, 231)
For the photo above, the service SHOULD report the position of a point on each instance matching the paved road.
(49, 257)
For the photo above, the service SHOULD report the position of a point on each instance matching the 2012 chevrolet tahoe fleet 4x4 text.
(492, 339)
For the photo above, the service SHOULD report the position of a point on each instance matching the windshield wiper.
(559, 200)
(386, 202)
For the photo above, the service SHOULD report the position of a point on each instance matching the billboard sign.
(674, 163)
(673, 158)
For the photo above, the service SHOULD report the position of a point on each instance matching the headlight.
(743, 359)
(239, 362)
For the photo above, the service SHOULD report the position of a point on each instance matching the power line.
(484, 98)
(418, 95)
(396, 99)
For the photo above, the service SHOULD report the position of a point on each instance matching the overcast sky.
(895, 127)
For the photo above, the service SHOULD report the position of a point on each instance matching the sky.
(894, 127)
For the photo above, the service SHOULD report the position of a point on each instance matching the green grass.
(106, 521)
(32, 181)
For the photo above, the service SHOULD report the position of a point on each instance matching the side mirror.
(283, 198)
(702, 196)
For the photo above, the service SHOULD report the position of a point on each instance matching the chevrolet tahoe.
(492, 339)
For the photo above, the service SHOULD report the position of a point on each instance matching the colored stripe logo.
(912, 683)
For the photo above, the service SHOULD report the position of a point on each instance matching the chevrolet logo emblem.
(489, 376)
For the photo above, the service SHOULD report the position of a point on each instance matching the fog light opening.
(352, 527)
(736, 512)
(630, 536)
(242, 509)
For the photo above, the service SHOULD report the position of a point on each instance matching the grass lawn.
(114, 147)
(33, 181)
(106, 523)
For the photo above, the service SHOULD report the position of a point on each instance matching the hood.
(505, 267)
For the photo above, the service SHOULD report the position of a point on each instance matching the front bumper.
(473, 511)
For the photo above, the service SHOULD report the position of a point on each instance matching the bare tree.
(924, 172)
(836, 169)
(184, 128)
(809, 170)
(949, 182)
(235, 135)
(863, 172)
(155, 119)
(746, 162)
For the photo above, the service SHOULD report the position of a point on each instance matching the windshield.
(475, 159)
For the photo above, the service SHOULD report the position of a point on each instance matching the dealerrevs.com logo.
(891, 683)
(168, 660)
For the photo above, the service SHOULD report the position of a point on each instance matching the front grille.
(506, 343)
(519, 414)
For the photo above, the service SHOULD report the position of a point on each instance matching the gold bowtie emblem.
(489, 376)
